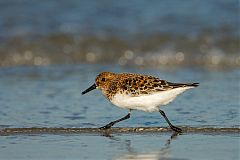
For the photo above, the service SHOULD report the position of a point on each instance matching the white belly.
(147, 103)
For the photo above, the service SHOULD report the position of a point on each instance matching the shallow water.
(51, 97)
(121, 147)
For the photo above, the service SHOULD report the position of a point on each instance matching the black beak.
(89, 89)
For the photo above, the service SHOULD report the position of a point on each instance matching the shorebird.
(138, 92)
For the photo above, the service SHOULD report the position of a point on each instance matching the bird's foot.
(176, 129)
(108, 126)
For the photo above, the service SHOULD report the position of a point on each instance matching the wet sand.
(201, 130)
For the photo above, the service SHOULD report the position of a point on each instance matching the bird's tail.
(177, 85)
(193, 84)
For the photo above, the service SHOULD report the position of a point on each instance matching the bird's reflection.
(157, 154)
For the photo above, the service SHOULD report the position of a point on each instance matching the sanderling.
(138, 92)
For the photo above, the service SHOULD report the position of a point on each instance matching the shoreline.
(44, 130)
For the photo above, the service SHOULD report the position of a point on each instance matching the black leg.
(109, 125)
(174, 128)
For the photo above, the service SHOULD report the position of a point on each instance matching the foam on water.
(136, 33)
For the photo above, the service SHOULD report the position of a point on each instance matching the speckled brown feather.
(134, 84)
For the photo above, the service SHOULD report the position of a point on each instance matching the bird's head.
(102, 81)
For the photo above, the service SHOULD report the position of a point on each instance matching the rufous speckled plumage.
(138, 92)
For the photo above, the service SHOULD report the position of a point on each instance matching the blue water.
(51, 97)
(121, 147)
(117, 17)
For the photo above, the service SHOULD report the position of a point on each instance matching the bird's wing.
(140, 85)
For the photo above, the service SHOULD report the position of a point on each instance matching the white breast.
(147, 103)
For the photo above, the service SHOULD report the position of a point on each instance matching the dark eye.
(103, 79)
